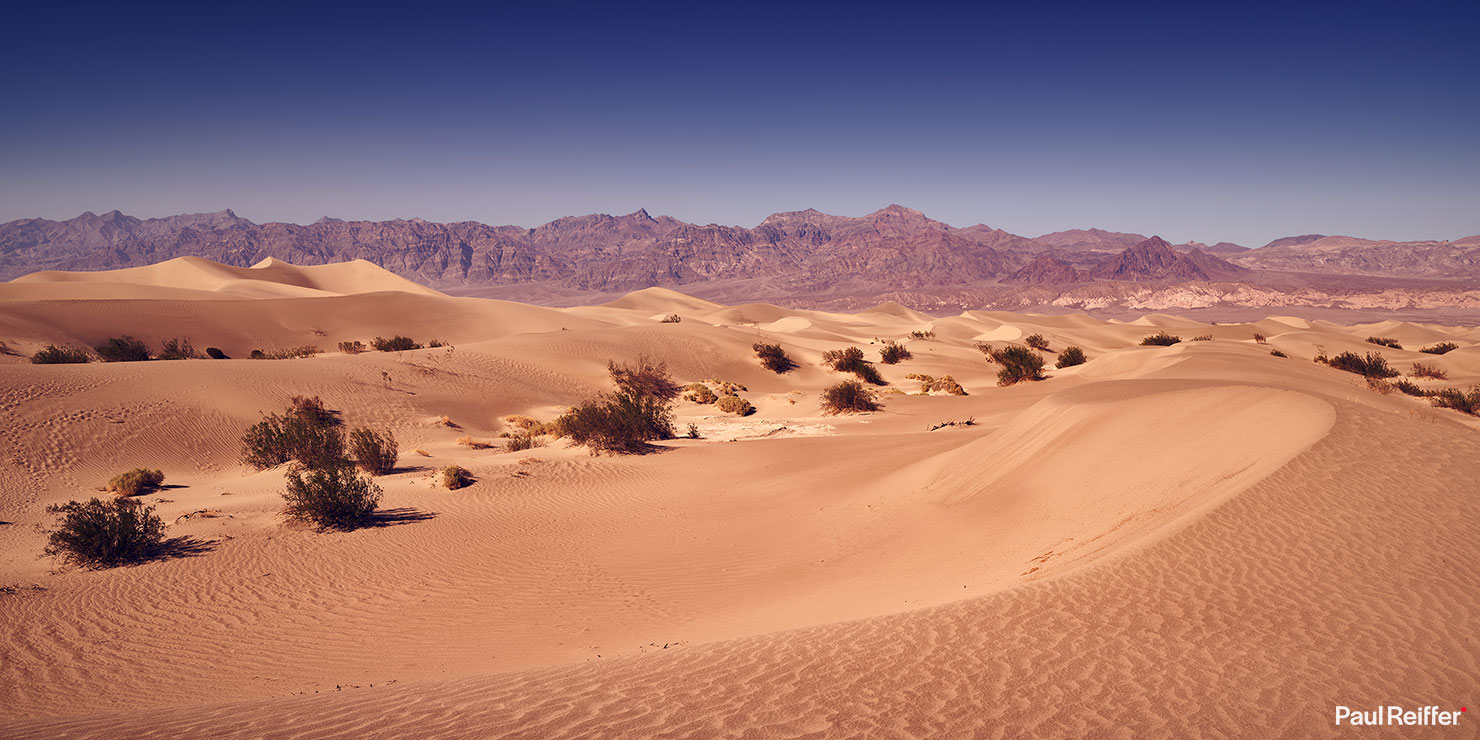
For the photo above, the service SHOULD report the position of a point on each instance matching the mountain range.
(801, 257)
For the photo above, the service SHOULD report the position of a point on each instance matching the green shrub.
(734, 405)
(1374, 365)
(54, 355)
(1070, 357)
(397, 343)
(332, 496)
(1036, 341)
(1019, 364)
(455, 477)
(122, 349)
(1385, 342)
(1440, 348)
(1428, 370)
(352, 348)
(848, 397)
(1160, 339)
(307, 433)
(374, 452)
(135, 482)
(178, 348)
(627, 420)
(98, 533)
(773, 358)
(699, 393)
(1454, 398)
(216, 354)
(851, 360)
(893, 352)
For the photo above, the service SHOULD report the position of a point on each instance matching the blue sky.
(1242, 122)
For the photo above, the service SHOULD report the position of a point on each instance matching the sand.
(1200, 540)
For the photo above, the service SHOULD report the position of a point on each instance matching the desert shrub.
(985, 348)
(1019, 364)
(1277, 353)
(672, 318)
(331, 496)
(54, 355)
(773, 358)
(1378, 385)
(306, 432)
(923, 334)
(1208, 338)
(136, 482)
(851, 360)
(435, 343)
(471, 443)
(734, 405)
(693, 432)
(624, 421)
(1408, 387)
(847, 397)
(1454, 398)
(1374, 365)
(524, 441)
(98, 533)
(520, 421)
(893, 352)
(1160, 339)
(396, 343)
(1385, 342)
(945, 383)
(1259, 338)
(1070, 357)
(727, 387)
(375, 452)
(178, 348)
(122, 349)
(970, 422)
(1321, 357)
(288, 353)
(1428, 370)
(257, 354)
(216, 354)
(455, 477)
(352, 348)
(1036, 341)
(1440, 348)
(699, 393)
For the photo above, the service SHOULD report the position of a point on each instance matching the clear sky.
(1239, 122)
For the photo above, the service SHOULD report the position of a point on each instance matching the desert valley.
(1189, 529)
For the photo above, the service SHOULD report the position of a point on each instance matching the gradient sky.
(1242, 122)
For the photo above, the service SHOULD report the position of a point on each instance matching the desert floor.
(1201, 540)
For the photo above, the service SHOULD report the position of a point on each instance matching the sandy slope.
(1200, 540)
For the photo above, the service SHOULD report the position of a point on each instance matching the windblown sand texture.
(1200, 540)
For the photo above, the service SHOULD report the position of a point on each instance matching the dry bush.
(437, 343)
(1374, 365)
(288, 353)
(851, 360)
(447, 421)
(847, 397)
(475, 444)
(136, 482)
(1160, 339)
(773, 358)
(672, 318)
(306, 432)
(520, 421)
(923, 334)
(352, 348)
(1440, 348)
(1428, 370)
(1454, 398)
(693, 432)
(54, 355)
(1036, 341)
(644, 378)
(970, 422)
(422, 452)
(374, 452)
(1277, 353)
(1259, 338)
(734, 405)
(122, 349)
(1209, 338)
(396, 343)
(454, 477)
(1379, 385)
(331, 496)
(893, 352)
(178, 348)
(521, 442)
(985, 348)
(1408, 387)
(98, 534)
(627, 420)
(1070, 357)
(945, 384)
(1019, 364)
(1385, 342)
(699, 393)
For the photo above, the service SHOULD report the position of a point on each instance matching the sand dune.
(1200, 540)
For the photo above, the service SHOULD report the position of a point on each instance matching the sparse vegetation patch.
(847, 397)
(396, 343)
(893, 352)
(1160, 339)
(136, 482)
(1440, 348)
(1036, 341)
(851, 360)
(352, 348)
(1428, 370)
(1385, 342)
(97, 533)
(122, 349)
(943, 384)
(773, 358)
(1019, 364)
(1373, 365)
(54, 355)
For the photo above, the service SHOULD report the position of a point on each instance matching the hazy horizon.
(1238, 124)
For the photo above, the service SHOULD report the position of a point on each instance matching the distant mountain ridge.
(793, 255)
